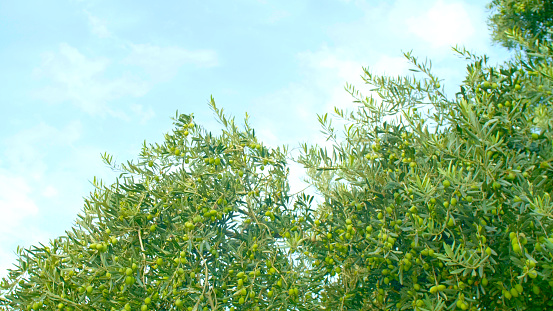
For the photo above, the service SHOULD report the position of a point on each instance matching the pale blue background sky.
(78, 78)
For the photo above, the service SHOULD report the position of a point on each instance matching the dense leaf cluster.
(435, 204)
(533, 17)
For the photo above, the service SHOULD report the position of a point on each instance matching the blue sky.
(79, 78)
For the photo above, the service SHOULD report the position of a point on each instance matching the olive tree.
(533, 17)
(425, 202)
(200, 222)
(437, 203)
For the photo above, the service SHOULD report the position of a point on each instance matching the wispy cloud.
(443, 25)
(17, 209)
(328, 69)
(98, 26)
(82, 81)
(50, 191)
(277, 16)
(94, 85)
(32, 209)
(24, 151)
(144, 114)
(163, 63)
(15, 203)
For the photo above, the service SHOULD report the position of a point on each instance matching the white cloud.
(80, 81)
(143, 114)
(24, 151)
(50, 191)
(391, 66)
(74, 63)
(7, 259)
(277, 15)
(24, 236)
(98, 26)
(328, 70)
(95, 84)
(30, 203)
(163, 63)
(17, 209)
(429, 27)
(340, 60)
(15, 204)
(444, 24)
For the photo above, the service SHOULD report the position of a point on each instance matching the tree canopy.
(425, 203)
(534, 18)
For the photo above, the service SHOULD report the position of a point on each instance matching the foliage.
(201, 222)
(534, 18)
(433, 203)
(426, 203)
